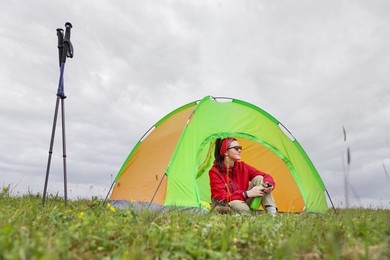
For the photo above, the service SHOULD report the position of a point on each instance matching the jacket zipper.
(232, 182)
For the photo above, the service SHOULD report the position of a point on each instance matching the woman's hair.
(218, 157)
(218, 154)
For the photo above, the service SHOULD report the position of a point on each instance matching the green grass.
(85, 229)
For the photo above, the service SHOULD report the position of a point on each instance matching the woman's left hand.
(268, 187)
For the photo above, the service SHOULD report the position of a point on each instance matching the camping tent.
(169, 165)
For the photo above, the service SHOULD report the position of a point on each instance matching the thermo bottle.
(255, 204)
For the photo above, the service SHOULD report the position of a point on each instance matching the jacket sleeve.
(253, 172)
(217, 186)
(219, 190)
(238, 195)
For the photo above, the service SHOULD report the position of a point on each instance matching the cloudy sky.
(316, 66)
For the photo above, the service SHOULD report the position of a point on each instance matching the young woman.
(236, 183)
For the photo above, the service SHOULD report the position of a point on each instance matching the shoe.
(271, 210)
(259, 212)
(222, 209)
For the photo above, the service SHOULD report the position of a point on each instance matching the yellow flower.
(81, 215)
(5, 188)
(110, 207)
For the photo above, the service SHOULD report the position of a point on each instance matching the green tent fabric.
(169, 166)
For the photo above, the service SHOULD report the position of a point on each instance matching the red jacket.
(239, 177)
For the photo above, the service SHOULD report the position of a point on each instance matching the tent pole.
(331, 201)
(158, 187)
(112, 185)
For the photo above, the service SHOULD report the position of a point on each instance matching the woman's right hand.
(256, 191)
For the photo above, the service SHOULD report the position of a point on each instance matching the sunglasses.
(235, 148)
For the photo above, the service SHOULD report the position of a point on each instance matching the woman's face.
(233, 153)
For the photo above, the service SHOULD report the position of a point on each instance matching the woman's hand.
(268, 187)
(256, 192)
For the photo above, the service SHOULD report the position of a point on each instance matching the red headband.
(225, 145)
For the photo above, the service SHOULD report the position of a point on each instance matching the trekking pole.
(65, 49)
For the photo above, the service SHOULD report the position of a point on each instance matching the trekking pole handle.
(67, 41)
(68, 26)
(60, 36)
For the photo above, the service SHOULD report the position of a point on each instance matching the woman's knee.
(257, 180)
(239, 206)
